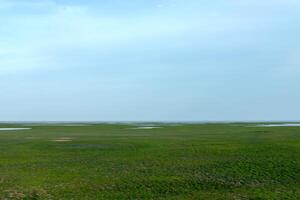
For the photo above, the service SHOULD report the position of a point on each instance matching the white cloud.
(265, 3)
(22, 59)
(31, 41)
(25, 4)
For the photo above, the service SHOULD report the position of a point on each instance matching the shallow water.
(277, 125)
(14, 129)
(145, 127)
(77, 125)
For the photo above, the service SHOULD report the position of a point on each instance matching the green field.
(210, 161)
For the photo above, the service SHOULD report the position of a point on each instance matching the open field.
(212, 161)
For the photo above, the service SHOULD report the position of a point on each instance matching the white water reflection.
(277, 125)
(145, 127)
(14, 129)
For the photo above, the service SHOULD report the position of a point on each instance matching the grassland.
(212, 161)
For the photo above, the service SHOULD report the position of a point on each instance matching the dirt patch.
(62, 139)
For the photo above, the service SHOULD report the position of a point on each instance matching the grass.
(211, 161)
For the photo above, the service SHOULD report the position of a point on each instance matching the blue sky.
(142, 60)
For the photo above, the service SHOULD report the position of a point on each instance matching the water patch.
(77, 125)
(14, 129)
(278, 125)
(145, 128)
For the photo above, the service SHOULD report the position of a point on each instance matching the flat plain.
(119, 161)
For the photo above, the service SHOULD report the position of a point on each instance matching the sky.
(149, 60)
